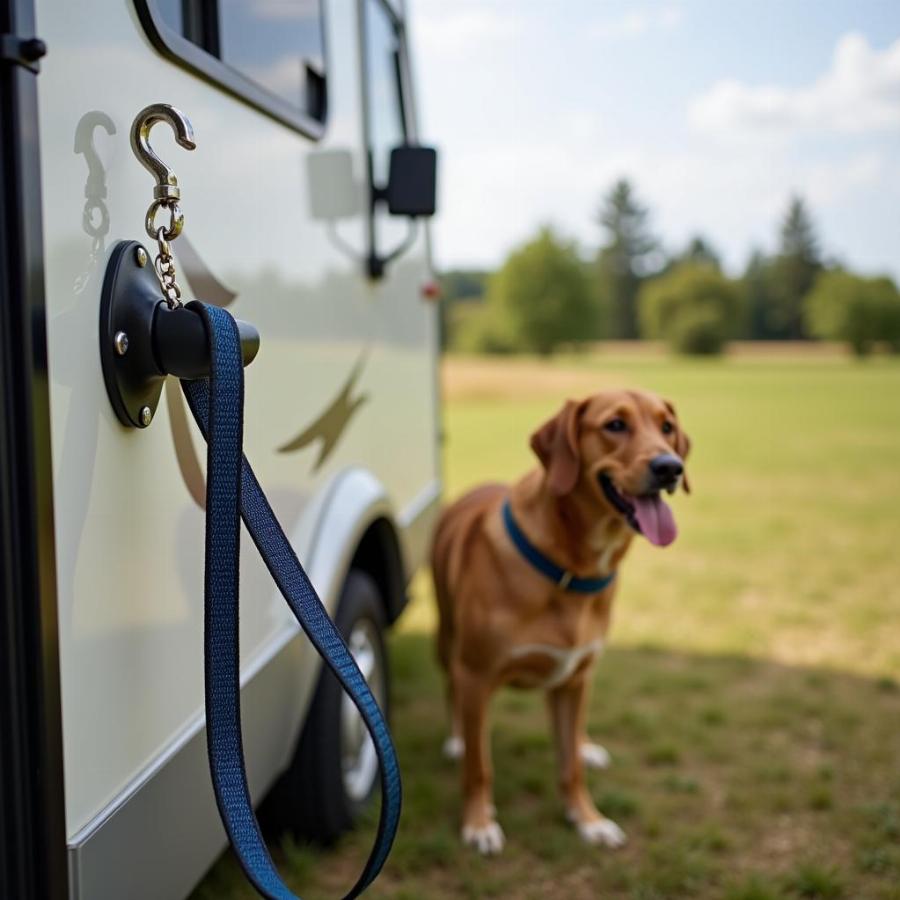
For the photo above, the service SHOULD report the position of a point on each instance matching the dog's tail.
(441, 550)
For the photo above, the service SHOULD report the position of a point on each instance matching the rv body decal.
(332, 423)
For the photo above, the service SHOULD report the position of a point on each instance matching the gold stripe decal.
(327, 428)
(332, 423)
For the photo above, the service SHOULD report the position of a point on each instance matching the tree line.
(545, 295)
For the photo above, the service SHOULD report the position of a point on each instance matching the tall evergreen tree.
(700, 251)
(623, 260)
(794, 271)
(757, 285)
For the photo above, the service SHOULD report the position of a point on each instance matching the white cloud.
(828, 184)
(860, 92)
(448, 29)
(637, 22)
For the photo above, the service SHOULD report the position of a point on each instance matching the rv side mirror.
(412, 181)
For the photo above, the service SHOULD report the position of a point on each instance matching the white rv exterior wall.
(129, 536)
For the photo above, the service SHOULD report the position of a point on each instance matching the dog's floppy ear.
(682, 445)
(556, 445)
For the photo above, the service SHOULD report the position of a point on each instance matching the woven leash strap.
(232, 493)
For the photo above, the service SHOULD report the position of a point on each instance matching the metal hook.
(166, 181)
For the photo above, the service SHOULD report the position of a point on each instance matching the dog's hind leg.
(454, 745)
(594, 756)
(567, 713)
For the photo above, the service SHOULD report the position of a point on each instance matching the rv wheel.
(335, 770)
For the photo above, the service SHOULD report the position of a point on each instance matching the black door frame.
(33, 858)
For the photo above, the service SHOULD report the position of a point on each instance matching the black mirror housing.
(412, 181)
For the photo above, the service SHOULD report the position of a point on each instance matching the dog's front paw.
(601, 832)
(595, 756)
(487, 839)
(454, 747)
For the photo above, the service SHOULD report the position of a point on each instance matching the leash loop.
(233, 493)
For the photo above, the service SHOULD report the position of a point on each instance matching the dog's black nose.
(666, 469)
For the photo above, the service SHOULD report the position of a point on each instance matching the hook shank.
(166, 180)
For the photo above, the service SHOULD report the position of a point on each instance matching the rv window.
(278, 45)
(270, 53)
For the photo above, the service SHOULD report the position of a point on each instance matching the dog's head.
(620, 450)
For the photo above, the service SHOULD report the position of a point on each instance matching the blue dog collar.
(563, 578)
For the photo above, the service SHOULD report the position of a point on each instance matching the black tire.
(318, 797)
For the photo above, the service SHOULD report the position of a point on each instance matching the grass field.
(751, 693)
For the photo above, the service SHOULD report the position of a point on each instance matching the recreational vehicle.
(304, 205)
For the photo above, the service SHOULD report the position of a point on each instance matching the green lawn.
(751, 693)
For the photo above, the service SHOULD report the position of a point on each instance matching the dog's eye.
(667, 427)
(616, 425)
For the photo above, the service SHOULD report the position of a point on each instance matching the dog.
(525, 577)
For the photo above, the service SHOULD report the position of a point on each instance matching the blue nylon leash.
(232, 493)
(563, 578)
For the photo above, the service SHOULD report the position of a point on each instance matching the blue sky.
(717, 111)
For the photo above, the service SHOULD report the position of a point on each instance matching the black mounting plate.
(142, 340)
(128, 303)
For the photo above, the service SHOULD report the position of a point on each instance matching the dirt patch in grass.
(488, 379)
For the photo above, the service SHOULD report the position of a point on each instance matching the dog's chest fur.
(558, 643)
(551, 666)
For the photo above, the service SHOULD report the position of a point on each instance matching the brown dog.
(525, 579)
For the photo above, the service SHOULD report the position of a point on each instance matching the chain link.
(165, 270)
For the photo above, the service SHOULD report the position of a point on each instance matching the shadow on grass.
(735, 778)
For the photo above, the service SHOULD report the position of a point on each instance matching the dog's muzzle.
(665, 470)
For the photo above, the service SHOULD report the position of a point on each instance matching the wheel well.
(378, 554)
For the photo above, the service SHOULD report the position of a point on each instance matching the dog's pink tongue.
(656, 520)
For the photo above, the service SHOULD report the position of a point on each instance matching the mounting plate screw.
(146, 416)
(141, 257)
(120, 342)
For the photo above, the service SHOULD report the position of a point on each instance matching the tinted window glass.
(384, 117)
(170, 10)
(278, 44)
(385, 101)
